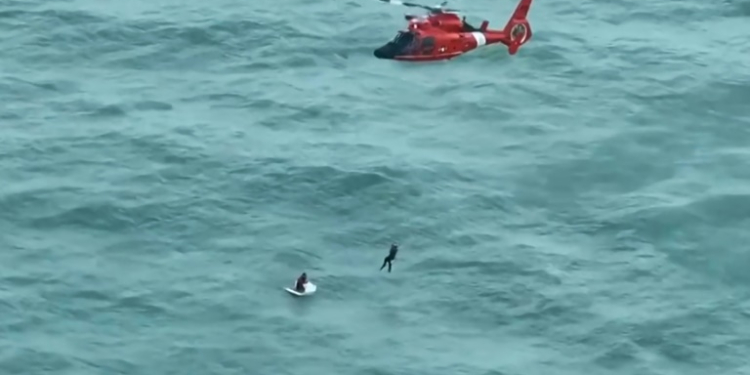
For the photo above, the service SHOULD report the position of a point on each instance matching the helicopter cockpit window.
(403, 40)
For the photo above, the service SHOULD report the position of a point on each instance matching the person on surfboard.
(301, 281)
(390, 258)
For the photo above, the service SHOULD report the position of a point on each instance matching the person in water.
(390, 258)
(301, 281)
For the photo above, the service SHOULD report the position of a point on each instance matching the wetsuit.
(391, 257)
(300, 287)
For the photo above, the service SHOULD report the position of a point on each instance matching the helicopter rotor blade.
(432, 9)
(408, 4)
(442, 8)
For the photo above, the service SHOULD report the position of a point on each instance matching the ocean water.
(168, 167)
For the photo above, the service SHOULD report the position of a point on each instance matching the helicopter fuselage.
(444, 35)
(436, 37)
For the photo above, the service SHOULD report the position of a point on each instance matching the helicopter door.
(428, 45)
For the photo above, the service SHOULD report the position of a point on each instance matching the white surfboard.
(309, 289)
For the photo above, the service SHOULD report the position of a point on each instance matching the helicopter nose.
(379, 53)
(383, 53)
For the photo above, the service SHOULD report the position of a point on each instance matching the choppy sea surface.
(168, 167)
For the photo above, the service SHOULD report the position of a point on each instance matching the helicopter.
(441, 34)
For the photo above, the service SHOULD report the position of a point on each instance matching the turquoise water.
(168, 167)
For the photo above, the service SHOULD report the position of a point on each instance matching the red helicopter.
(442, 35)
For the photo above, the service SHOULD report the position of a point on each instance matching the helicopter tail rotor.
(518, 28)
